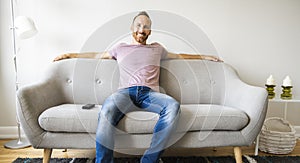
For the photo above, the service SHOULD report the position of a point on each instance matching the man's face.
(141, 29)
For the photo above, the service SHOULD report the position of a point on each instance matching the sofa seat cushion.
(71, 118)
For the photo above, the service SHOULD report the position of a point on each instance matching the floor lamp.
(23, 28)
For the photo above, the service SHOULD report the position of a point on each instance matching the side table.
(279, 100)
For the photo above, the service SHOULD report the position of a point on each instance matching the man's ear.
(131, 27)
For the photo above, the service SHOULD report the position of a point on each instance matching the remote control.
(88, 106)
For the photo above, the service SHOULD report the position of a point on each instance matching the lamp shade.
(25, 27)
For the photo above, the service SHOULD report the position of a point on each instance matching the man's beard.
(140, 39)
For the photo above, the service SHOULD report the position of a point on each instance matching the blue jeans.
(118, 104)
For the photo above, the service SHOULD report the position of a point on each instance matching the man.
(139, 66)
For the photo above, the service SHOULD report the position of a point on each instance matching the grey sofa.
(217, 108)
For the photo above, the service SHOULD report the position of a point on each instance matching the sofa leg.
(238, 154)
(47, 155)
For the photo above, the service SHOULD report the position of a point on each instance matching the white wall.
(257, 37)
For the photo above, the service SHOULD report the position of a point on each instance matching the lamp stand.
(20, 142)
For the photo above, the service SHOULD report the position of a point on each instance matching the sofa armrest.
(252, 100)
(32, 100)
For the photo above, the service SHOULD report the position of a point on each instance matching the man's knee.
(173, 108)
(174, 104)
(108, 113)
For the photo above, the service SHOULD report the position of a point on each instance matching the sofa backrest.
(188, 81)
(193, 81)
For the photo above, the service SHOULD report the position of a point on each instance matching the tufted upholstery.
(217, 108)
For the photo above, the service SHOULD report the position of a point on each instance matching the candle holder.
(286, 92)
(270, 89)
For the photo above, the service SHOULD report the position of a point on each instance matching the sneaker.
(160, 161)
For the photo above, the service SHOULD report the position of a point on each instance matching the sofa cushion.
(71, 118)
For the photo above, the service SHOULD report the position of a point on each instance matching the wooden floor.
(9, 155)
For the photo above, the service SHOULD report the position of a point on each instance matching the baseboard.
(10, 132)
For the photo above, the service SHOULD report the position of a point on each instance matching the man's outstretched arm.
(93, 55)
(193, 56)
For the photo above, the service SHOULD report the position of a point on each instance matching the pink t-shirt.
(139, 65)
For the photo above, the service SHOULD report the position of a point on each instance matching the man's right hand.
(65, 56)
